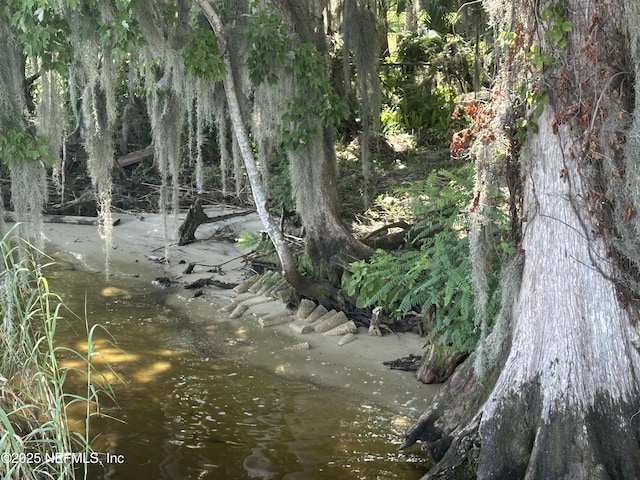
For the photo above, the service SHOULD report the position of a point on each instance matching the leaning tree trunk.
(242, 137)
(564, 401)
(306, 286)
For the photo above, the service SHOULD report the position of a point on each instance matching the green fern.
(436, 274)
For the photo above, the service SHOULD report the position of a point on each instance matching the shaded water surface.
(190, 407)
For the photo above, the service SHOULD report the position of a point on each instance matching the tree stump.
(196, 217)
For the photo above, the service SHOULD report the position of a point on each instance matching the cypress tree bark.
(561, 399)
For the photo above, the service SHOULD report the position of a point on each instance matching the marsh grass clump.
(35, 431)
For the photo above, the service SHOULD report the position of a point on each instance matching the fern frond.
(439, 273)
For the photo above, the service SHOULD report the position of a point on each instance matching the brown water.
(191, 407)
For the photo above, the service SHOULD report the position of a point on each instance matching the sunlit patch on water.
(111, 291)
(189, 407)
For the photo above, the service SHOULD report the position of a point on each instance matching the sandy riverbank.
(137, 249)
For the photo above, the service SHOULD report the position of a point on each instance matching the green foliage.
(420, 85)
(17, 145)
(270, 46)
(44, 30)
(538, 59)
(202, 55)
(260, 243)
(535, 104)
(123, 33)
(272, 50)
(556, 34)
(435, 278)
(559, 27)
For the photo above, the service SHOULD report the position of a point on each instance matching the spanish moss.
(361, 37)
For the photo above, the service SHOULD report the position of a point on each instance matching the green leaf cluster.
(260, 243)
(538, 59)
(17, 145)
(434, 277)
(271, 45)
(556, 34)
(273, 51)
(559, 28)
(123, 34)
(202, 55)
(44, 29)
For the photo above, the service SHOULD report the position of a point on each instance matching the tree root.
(449, 425)
(438, 364)
(599, 442)
(452, 408)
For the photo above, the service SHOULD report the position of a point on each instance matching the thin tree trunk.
(302, 284)
(270, 224)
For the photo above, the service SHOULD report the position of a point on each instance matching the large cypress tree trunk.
(570, 380)
(314, 170)
(562, 400)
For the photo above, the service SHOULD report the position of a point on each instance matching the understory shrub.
(432, 276)
(429, 70)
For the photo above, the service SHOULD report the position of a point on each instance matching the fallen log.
(135, 157)
(203, 282)
(10, 217)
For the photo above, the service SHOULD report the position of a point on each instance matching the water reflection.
(189, 407)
